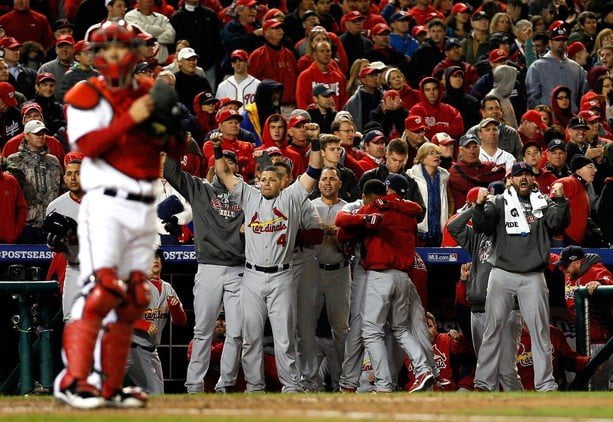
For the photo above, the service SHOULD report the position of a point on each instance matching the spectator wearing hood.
(439, 117)
(453, 57)
(467, 105)
(276, 62)
(505, 78)
(320, 72)
(267, 102)
(390, 114)
(429, 53)
(555, 69)
(560, 104)
(274, 135)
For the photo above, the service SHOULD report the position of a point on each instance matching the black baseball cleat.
(128, 398)
(80, 395)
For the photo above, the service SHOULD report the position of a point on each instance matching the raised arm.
(310, 177)
(222, 169)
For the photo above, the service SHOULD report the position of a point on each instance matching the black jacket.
(203, 31)
(356, 46)
(426, 57)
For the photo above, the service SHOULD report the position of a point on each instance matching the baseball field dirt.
(478, 407)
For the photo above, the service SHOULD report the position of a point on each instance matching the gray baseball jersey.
(156, 313)
(270, 224)
(326, 253)
(309, 219)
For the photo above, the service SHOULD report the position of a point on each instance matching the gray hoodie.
(548, 72)
(217, 218)
(504, 82)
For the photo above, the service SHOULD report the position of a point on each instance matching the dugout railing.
(180, 261)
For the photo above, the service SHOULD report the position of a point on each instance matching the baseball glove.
(59, 227)
(165, 120)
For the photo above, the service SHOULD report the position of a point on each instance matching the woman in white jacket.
(432, 181)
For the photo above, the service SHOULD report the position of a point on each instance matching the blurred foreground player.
(117, 122)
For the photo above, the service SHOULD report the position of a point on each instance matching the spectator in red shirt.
(575, 189)
(273, 61)
(424, 11)
(396, 80)
(13, 206)
(439, 117)
(228, 121)
(532, 156)
(26, 24)
(320, 72)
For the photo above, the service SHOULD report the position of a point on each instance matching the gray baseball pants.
(274, 296)
(214, 285)
(508, 377)
(532, 294)
(145, 369)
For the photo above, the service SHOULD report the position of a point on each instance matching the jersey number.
(281, 240)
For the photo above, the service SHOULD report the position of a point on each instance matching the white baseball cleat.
(80, 396)
(128, 398)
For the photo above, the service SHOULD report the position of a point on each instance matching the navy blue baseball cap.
(399, 16)
(568, 255)
(467, 139)
(520, 167)
(397, 182)
(556, 143)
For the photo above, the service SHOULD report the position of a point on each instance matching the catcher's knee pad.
(115, 348)
(108, 279)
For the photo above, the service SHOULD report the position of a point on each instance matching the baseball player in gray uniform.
(520, 220)
(143, 365)
(334, 270)
(67, 205)
(272, 217)
(220, 251)
(479, 245)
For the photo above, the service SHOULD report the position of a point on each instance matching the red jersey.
(579, 205)
(278, 64)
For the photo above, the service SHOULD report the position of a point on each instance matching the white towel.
(514, 218)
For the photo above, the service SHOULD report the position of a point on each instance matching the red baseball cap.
(414, 123)
(240, 54)
(271, 24)
(10, 43)
(228, 114)
(64, 39)
(41, 77)
(380, 29)
(498, 55)
(459, 8)
(7, 94)
(534, 117)
(574, 48)
(248, 3)
(555, 25)
(391, 93)
(590, 105)
(273, 151)
(589, 115)
(296, 120)
(73, 157)
(419, 29)
(353, 16)
(28, 107)
(227, 100)
(442, 138)
(472, 194)
(82, 46)
(367, 71)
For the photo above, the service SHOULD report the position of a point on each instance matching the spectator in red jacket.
(468, 172)
(26, 24)
(439, 117)
(424, 11)
(229, 121)
(274, 61)
(587, 270)
(453, 57)
(320, 72)
(575, 189)
(13, 206)
(532, 156)
(564, 358)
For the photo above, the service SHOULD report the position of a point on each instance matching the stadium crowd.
(436, 99)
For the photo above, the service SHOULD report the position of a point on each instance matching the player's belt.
(138, 346)
(332, 267)
(273, 269)
(147, 199)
